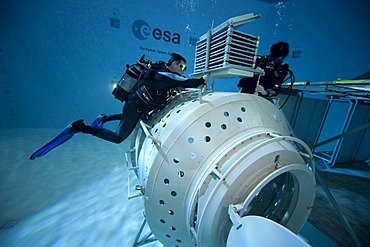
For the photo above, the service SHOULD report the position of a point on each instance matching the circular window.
(274, 199)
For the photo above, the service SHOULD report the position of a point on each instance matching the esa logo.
(142, 31)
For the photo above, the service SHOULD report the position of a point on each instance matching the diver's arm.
(178, 81)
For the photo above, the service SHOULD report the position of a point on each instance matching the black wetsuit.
(273, 78)
(152, 93)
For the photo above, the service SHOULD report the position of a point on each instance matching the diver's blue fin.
(63, 136)
(99, 121)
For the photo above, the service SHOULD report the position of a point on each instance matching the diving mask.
(183, 67)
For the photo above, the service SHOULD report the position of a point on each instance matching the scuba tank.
(129, 80)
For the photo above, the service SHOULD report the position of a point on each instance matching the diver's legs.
(129, 120)
(100, 120)
(113, 117)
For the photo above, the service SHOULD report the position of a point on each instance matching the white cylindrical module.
(205, 154)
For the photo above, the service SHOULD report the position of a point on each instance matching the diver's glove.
(205, 78)
(99, 121)
(261, 90)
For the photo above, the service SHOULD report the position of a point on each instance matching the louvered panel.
(224, 49)
(224, 52)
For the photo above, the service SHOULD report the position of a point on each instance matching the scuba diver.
(269, 84)
(151, 92)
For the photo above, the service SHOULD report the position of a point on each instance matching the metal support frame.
(339, 138)
(146, 239)
(129, 169)
(296, 108)
(145, 128)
